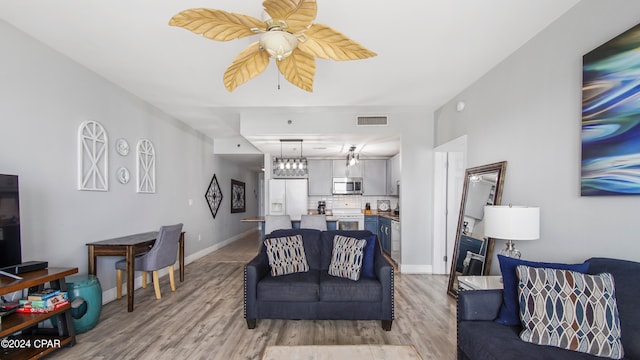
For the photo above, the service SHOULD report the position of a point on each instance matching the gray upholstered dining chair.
(275, 222)
(163, 253)
(318, 222)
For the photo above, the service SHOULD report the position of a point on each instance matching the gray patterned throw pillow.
(286, 255)
(346, 257)
(570, 310)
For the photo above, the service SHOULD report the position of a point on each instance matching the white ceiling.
(428, 51)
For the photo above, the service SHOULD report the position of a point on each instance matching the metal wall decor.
(93, 157)
(122, 174)
(238, 196)
(213, 196)
(122, 147)
(146, 166)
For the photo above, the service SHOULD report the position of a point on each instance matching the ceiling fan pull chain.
(278, 77)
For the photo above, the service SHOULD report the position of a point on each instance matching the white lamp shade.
(512, 222)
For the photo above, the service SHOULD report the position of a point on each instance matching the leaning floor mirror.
(473, 251)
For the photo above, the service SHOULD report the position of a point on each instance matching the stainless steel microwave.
(347, 186)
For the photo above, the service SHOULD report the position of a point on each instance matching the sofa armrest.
(384, 272)
(479, 304)
(254, 271)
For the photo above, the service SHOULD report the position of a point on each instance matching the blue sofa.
(315, 294)
(479, 337)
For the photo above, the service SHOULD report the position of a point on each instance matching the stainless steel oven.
(347, 186)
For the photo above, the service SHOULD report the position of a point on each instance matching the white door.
(449, 168)
(455, 182)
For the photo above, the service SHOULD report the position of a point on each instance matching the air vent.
(372, 120)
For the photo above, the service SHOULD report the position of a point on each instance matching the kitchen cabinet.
(375, 179)
(371, 223)
(340, 169)
(393, 175)
(320, 177)
(384, 233)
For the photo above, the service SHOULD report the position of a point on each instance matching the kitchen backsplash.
(373, 200)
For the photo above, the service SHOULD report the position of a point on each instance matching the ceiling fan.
(288, 34)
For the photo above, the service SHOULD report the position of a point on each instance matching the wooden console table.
(34, 343)
(129, 246)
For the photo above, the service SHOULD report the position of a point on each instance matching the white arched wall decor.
(93, 153)
(146, 166)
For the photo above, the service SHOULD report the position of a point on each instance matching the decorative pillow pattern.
(346, 257)
(570, 310)
(286, 255)
(509, 310)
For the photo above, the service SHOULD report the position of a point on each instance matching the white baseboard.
(110, 294)
(416, 269)
(204, 252)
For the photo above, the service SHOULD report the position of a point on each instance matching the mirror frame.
(499, 167)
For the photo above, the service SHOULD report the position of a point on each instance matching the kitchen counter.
(261, 219)
(386, 214)
(295, 223)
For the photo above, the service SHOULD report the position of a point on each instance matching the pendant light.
(290, 167)
(352, 157)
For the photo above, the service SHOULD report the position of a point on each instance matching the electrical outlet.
(190, 202)
(199, 237)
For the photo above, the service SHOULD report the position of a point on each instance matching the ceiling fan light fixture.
(287, 29)
(278, 43)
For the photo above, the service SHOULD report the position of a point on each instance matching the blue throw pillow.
(510, 308)
(367, 258)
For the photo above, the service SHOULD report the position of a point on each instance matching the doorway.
(450, 165)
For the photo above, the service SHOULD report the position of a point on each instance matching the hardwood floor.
(203, 319)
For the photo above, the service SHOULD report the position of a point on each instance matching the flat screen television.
(10, 246)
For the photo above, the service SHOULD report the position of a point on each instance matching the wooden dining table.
(129, 246)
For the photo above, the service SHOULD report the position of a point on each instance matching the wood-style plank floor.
(203, 319)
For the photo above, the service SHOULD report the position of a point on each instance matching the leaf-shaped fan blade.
(298, 14)
(327, 43)
(216, 24)
(299, 69)
(250, 63)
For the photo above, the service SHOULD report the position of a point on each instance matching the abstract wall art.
(238, 196)
(611, 117)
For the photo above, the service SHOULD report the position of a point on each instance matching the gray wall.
(416, 192)
(45, 97)
(527, 110)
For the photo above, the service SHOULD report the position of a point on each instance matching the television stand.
(23, 327)
(10, 275)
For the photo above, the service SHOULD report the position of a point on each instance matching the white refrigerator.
(288, 197)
